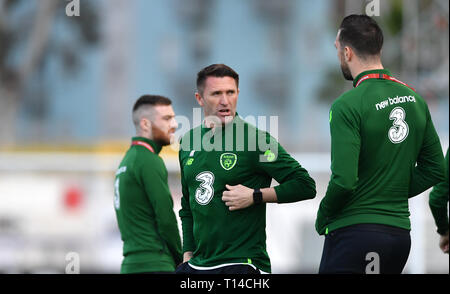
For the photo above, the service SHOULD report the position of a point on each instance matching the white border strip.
(205, 268)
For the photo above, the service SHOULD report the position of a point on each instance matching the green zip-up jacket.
(384, 150)
(144, 210)
(438, 202)
(216, 235)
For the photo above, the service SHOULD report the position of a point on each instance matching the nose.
(174, 124)
(223, 100)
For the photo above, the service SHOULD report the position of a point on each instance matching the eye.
(231, 92)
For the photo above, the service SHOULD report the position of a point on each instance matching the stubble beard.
(346, 71)
(161, 137)
(345, 68)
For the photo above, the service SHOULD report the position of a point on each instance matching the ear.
(199, 99)
(348, 53)
(145, 124)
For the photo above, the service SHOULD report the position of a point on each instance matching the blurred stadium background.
(67, 85)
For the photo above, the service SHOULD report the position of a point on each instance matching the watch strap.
(257, 196)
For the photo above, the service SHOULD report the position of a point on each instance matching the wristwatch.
(257, 196)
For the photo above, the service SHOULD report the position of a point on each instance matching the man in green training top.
(438, 202)
(227, 166)
(384, 150)
(143, 203)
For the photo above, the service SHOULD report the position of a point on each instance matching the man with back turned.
(384, 150)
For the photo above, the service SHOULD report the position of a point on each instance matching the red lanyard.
(382, 76)
(146, 145)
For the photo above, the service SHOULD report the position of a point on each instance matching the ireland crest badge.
(228, 160)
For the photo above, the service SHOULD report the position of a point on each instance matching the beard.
(346, 71)
(344, 67)
(160, 137)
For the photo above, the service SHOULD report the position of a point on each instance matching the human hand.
(187, 256)
(237, 197)
(443, 243)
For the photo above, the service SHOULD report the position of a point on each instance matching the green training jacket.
(236, 154)
(384, 150)
(144, 210)
(438, 202)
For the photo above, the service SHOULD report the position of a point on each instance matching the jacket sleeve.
(185, 214)
(345, 149)
(295, 184)
(430, 168)
(438, 202)
(154, 178)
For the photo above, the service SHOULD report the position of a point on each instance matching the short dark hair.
(362, 34)
(215, 70)
(152, 100)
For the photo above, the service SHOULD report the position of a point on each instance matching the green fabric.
(438, 202)
(215, 234)
(374, 151)
(144, 211)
